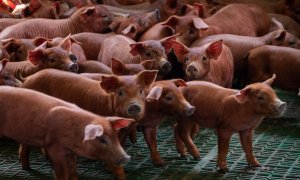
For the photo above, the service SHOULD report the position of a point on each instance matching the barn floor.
(276, 146)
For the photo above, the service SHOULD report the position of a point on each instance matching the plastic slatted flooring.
(276, 145)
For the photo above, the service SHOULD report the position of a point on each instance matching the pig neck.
(70, 25)
(107, 104)
(25, 68)
(268, 38)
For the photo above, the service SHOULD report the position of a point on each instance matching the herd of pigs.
(85, 75)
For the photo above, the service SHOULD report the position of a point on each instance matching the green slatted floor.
(276, 145)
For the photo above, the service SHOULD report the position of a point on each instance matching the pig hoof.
(197, 158)
(160, 163)
(257, 167)
(26, 168)
(224, 170)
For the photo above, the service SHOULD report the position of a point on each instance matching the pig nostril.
(282, 107)
(190, 111)
(74, 68)
(134, 109)
(192, 69)
(123, 161)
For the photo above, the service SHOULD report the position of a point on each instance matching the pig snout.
(165, 67)
(192, 70)
(189, 110)
(134, 109)
(73, 58)
(280, 107)
(123, 160)
(74, 67)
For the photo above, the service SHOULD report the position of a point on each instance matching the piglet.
(64, 130)
(227, 111)
(212, 62)
(7, 78)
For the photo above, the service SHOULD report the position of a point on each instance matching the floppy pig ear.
(130, 28)
(119, 122)
(200, 9)
(279, 38)
(171, 22)
(11, 46)
(270, 81)
(40, 40)
(117, 67)
(92, 131)
(180, 50)
(167, 42)
(87, 13)
(243, 95)
(3, 64)
(35, 56)
(148, 64)
(146, 78)
(110, 83)
(214, 49)
(179, 82)
(136, 48)
(200, 24)
(154, 94)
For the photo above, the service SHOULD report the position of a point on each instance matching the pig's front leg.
(184, 131)
(150, 134)
(246, 141)
(59, 162)
(223, 146)
(179, 142)
(118, 171)
(72, 166)
(24, 156)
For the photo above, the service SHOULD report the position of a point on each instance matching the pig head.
(7, 78)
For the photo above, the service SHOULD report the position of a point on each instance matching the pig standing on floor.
(227, 111)
(212, 62)
(64, 130)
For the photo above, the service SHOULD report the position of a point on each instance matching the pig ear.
(243, 95)
(66, 43)
(11, 46)
(171, 5)
(180, 50)
(154, 94)
(148, 64)
(92, 131)
(171, 22)
(270, 81)
(110, 83)
(136, 48)
(35, 56)
(3, 64)
(34, 5)
(87, 13)
(25, 12)
(119, 122)
(40, 40)
(117, 67)
(279, 38)
(131, 28)
(214, 49)
(200, 24)
(200, 9)
(179, 82)
(56, 5)
(167, 43)
(146, 78)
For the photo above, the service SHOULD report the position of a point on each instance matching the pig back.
(26, 120)
(117, 47)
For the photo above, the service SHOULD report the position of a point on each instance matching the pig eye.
(168, 98)
(204, 58)
(148, 54)
(20, 52)
(186, 59)
(141, 92)
(292, 41)
(6, 77)
(73, 58)
(120, 93)
(102, 140)
(52, 60)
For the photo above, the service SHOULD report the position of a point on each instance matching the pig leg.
(59, 162)
(179, 142)
(72, 166)
(118, 171)
(246, 141)
(150, 137)
(132, 135)
(223, 146)
(195, 131)
(24, 156)
(184, 130)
